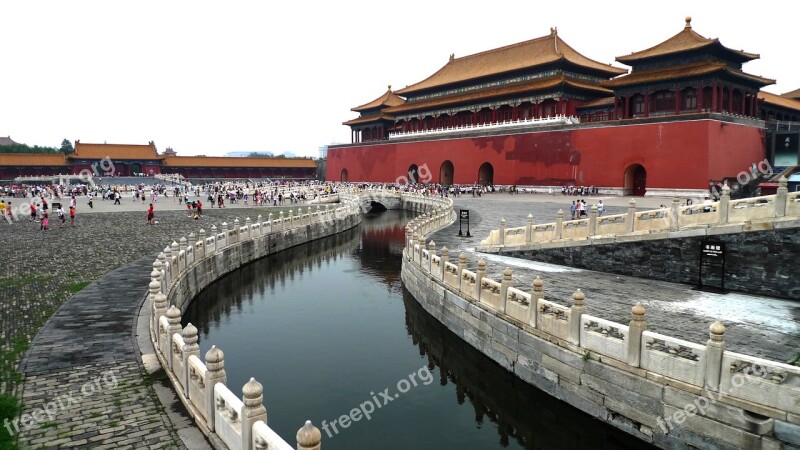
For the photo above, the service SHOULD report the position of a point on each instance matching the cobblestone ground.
(42, 270)
(759, 326)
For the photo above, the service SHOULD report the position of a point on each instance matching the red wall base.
(675, 155)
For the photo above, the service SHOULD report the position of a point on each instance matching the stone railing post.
(280, 217)
(202, 238)
(529, 230)
(269, 220)
(536, 294)
(781, 197)
(175, 252)
(190, 348)
(224, 230)
(308, 220)
(290, 216)
(724, 204)
(309, 437)
(165, 278)
(215, 373)
(501, 238)
(592, 220)
(462, 264)
(260, 222)
(631, 219)
(214, 232)
(443, 260)
(674, 214)
(248, 224)
(431, 252)
(559, 223)
(158, 305)
(182, 246)
(636, 327)
(576, 311)
(714, 349)
(479, 275)
(174, 320)
(421, 244)
(253, 411)
(505, 283)
(235, 227)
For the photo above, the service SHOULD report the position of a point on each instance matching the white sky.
(214, 77)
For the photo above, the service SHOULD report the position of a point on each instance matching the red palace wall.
(676, 155)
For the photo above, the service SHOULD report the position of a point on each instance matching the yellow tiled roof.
(686, 40)
(505, 90)
(389, 98)
(114, 151)
(368, 119)
(523, 55)
(779, 100)
(682, 71)
(32, 159)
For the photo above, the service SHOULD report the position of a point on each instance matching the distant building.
(7, 141)
(131, 160)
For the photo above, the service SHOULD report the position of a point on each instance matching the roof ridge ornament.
(688, 22)
(452, 57)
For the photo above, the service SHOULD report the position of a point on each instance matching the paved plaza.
(91, 338)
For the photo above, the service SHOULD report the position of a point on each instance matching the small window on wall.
(638, 105)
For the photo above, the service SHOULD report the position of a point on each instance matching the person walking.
(62, 219)
(72, 216)
(150, 215)
(45, 222)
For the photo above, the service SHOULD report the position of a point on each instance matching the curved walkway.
(92, 334)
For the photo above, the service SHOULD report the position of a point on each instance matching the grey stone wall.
(626, 397)
(756, 262)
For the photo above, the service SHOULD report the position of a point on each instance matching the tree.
(66, 147)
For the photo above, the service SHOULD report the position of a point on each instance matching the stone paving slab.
(758, 326)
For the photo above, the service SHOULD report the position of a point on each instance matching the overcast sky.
(214, 77)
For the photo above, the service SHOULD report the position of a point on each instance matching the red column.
(742, 111)
(536, 110)
(730, 100)
(677, 101)
(475, 118)
(714, 96)
(559, 107)
(514, 113)
(494, 115)
(700, 99)
(647, 105)
(627, 106)
(616, 107)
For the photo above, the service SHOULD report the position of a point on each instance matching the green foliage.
(9, 409)
(795, 361)
(24, 148)
(586, 355)
(66, 147)
(76, 287)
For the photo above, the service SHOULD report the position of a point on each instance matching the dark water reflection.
(321, 327)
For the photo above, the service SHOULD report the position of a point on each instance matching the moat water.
(327, 327)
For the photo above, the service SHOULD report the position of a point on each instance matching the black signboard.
(712, 264)
(463, 217)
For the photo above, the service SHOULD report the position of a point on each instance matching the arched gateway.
(635, 180)
(344, 176)
(446, 172)
(486, 174)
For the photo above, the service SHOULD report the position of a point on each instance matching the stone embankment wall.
(756, 262)
(760, 235)
(187, 266)
(661, 389)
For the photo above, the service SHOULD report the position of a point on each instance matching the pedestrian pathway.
(91, 334)
(758, 326)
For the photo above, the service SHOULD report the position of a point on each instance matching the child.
(61, 217)
(72, 216)
(45, 222)
(150, 215)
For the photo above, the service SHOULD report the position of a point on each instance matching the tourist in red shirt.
(150, 214)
